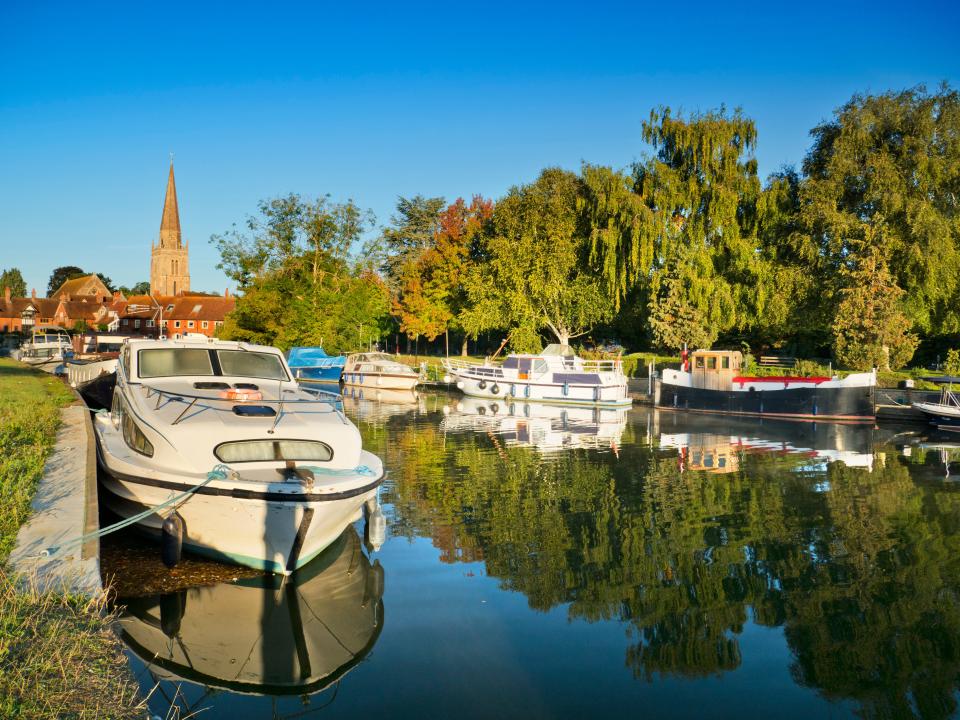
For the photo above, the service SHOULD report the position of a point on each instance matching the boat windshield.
(558, 349)
(187, 362)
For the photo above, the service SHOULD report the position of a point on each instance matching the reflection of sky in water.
(615, 578)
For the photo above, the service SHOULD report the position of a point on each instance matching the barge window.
(711, 363)
(725, 363)
(134, 436)
(245, 363)
(268, 450)
(699, 363)
(173, 362)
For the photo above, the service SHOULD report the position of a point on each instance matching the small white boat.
(93, 377)
(218, 438)
(547, 428)
(379, 370)
(46, 349)
(556, 375)
(944, 414)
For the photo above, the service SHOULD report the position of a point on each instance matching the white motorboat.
(555, 375)
(547, 428)
(215, 443)
(379, 370)
(46, 349)
(944, 414)
(93, 377)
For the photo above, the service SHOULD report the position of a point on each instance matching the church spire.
(170, 222)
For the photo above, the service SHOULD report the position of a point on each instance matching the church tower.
(169, 265)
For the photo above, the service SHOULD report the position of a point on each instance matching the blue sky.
(370, 101)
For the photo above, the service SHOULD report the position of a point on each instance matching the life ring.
(495, 389)
(482, 384)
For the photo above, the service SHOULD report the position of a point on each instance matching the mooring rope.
(218, 473)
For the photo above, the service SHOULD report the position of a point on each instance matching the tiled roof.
(195, 307)
(77, 285)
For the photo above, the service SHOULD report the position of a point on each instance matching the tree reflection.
(859, 567)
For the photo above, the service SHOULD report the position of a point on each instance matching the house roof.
(85, 285)
(195, 307)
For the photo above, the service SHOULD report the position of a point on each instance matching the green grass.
(30, 403)
(58, 656)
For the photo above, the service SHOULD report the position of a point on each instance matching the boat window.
(711, 363)
(725, 363)
(511, 363)
(173, 362)
(269, 450)
(134, 436)
(699, 363)
(243, 363)
(539, 367)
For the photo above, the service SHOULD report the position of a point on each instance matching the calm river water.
(572, 563)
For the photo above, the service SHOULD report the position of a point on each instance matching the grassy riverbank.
(58, 655)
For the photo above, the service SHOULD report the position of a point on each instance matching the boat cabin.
(715, 369)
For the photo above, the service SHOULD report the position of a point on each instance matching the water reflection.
(376, 405)
(259, 635)
(815, 530)
(548, 428)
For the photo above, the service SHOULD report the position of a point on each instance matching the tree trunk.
(463, 348)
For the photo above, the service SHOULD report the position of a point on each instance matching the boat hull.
(270, 535)
(855, 404)
(318, 374)
(384, 381)
(550, 393)
(945, 417)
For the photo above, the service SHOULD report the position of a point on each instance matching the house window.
(218, 323)
(189, 323)
(136, 323)
(126, 322)
(203, 324)
(149, 323)
(163, 323)
(176, 324)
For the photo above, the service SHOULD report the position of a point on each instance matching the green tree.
(141, 288)
(299, 285)
(535, 276)
(13, 279)
(410, 233)
(694, 202)
(893, 156)
(869, 329)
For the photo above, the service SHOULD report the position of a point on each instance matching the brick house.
(193, 314)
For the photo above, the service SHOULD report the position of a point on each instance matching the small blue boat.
(312, 364)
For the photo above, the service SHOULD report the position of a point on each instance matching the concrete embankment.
(64, 509)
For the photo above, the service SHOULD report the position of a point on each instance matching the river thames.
(566, 563)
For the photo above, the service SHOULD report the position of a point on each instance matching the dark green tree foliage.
(299, 286)
(892, 160)
(141, 288)
(536, 276)
(60, 275)
(13, 279)
(410, 233)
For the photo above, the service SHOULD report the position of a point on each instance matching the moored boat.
(46, 349)
(555, 375)
(714, 383)
(312, 364)
(93, 377)
(379, 370)
(219, 439)
(944, 414)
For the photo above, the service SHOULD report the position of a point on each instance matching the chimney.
(33, 293)
(226, 293)
(6, 293)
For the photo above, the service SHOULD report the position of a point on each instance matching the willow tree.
(895, 156)
(695, 207)
(535, 276)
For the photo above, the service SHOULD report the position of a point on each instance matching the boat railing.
(569, 364)
(226, 404)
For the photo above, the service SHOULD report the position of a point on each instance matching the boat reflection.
(716, 445)
(548, 428)
(263, 635)
(374, 404)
